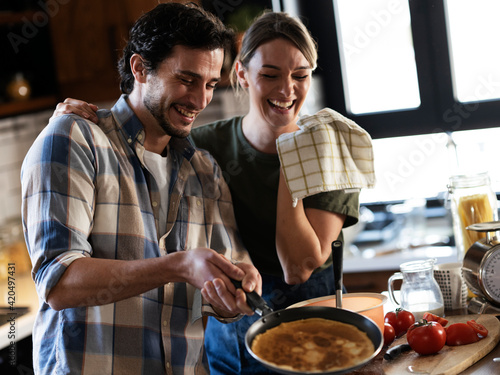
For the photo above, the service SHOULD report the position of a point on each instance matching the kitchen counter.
(485, 366)
(392, 261)
(25, 296)
(370, 272)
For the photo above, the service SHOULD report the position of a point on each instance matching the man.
(130, 229)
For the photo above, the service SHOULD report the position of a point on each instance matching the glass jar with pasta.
(472, 201)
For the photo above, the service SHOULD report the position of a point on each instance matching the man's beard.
(156, 109)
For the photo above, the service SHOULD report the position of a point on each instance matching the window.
(431, 65)
(474, 50)
(377, 56)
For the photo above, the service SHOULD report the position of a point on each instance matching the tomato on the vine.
(430, 317)
(478, 328)
(389, 334)
(400, 320)
(426, 337)
(460, 334)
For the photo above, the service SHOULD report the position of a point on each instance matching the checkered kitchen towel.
(329, 152)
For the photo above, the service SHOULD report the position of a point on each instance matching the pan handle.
(254, 300)
(338, 258)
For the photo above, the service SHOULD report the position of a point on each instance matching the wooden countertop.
(485, 366)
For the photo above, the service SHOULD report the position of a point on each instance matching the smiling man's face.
(181, 87)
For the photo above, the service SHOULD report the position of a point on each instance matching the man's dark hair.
(156, 32)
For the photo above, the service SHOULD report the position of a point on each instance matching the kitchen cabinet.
(374, 282)
(88, 37)
(64, 49)
(18, 360)
(26, 53)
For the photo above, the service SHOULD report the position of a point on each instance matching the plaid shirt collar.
(133, 130)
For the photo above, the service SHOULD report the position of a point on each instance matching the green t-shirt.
(253, 179)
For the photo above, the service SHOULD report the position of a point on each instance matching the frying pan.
(270, 319)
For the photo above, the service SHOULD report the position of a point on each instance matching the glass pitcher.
(419, 292)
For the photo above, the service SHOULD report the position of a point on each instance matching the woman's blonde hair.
(270, 26)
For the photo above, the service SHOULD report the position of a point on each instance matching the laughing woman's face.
(278, 78)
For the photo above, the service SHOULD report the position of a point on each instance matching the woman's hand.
(78, 107)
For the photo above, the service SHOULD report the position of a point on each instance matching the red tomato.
(426, 337)
(478, 328)
(460, 334)
(389, 334)
(430, 317)
(400, 320)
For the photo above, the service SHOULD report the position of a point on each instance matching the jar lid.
(470, 180)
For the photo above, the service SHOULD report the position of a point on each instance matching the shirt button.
(165, 323)
(155, 204)
(168, 364)
(198, 203)
(129, 140)
(139, 137)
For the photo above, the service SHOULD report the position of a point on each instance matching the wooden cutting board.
(450, 360)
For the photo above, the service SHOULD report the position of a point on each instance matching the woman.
(290, 246)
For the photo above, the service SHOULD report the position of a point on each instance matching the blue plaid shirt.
(87, 193)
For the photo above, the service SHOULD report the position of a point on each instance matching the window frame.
(439, 109)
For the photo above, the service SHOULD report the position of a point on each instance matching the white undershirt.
(159, 167)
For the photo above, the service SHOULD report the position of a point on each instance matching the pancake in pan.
(313, 345)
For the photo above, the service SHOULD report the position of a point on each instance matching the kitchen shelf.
(7, 17)
(34, 59)
(31, 105)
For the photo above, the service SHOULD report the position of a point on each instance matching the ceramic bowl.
(370, 305)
